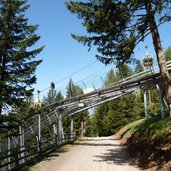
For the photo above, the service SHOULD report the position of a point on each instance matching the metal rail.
(40, 132)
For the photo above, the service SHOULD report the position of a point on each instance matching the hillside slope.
(149, 143)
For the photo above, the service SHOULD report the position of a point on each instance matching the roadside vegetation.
(149, 142)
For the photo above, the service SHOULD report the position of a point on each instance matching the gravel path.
(94, 154)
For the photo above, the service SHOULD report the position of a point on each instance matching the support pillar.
(39, 135)
(60, 128)
(145, 104)
(164, 101)
(149, 97)
(55, 133)
(21, 144)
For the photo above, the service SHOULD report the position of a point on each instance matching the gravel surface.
(94, 154)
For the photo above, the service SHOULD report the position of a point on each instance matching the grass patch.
(81, 139)
(156, 127)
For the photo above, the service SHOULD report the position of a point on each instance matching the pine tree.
(116, 27)
(112, 76)
(167, 54)
(17, 56)
(125, 71)
(139, 67)
(52, 96)
(73, 90)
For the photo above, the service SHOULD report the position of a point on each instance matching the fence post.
(21, 144)
(55, 133)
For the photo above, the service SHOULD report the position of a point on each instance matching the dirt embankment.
(149, 152)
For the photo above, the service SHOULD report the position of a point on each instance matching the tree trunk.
(159, 53)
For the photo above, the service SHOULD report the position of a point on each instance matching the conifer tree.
(52, 97)
(139, 67)
(112, 76)
(168, 54)
(125, 71)
(73, 90)
(17, 56)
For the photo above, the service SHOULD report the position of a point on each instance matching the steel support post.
(39, 136)
(21, 144)
(164, 101)
(72, 128)
(161, 101)
(63, 137)
(55, 133)
(170, 110)
(60, 127)
(9, 152)
(145, 104)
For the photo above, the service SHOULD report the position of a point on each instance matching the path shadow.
(91, 144)
(114, 156)
(99, 139)
(51, 155)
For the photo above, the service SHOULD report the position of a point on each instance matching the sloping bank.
(149, 143)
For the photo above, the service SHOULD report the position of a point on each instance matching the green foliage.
(72, 91)
(125, 71)
(153, 127)
(116, 27)
(154, 107)
(115, 75)
(112, 77)
(110, 117)
(138, 109)
(52, 97)
(113, 115)
(139, 67)
(168, 54)
(17, 56)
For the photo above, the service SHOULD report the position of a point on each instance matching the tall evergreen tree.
(125, 71)
(73, 90)
(112, 76)
(139, 67)
(17, 56)
(168, 54)
(116, 27)
(52, 97)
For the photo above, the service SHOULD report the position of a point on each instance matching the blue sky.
(63, 55)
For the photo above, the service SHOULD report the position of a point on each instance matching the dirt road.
(94, 154)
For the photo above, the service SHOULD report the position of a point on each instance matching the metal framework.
(44, 131)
